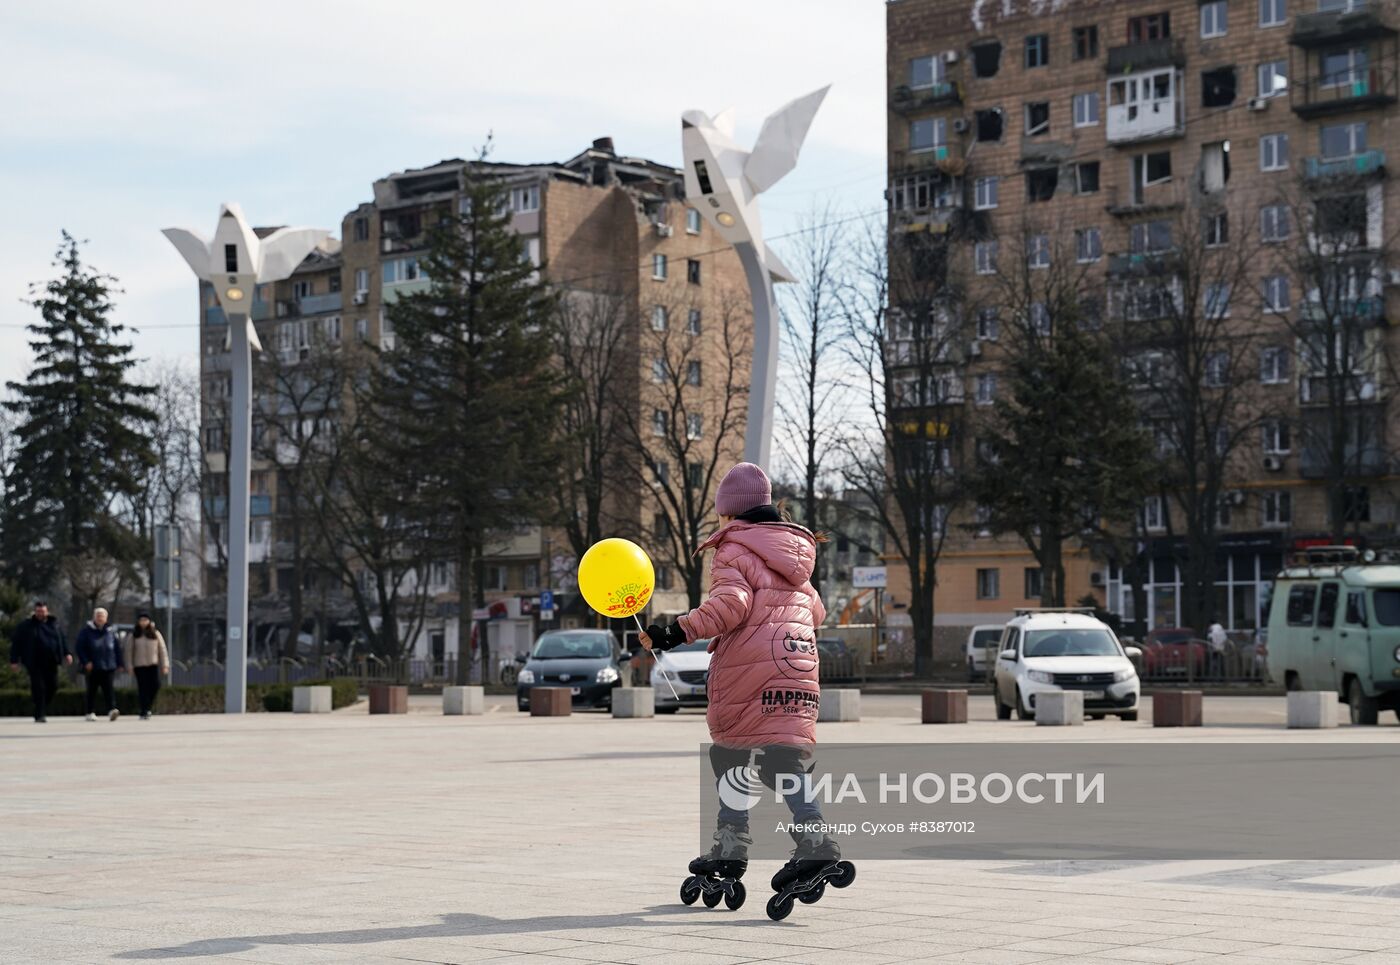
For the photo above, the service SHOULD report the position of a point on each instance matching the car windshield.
(562, 646)
(1070, 643)
(697, 646)
(982, 639)
(1386, 604)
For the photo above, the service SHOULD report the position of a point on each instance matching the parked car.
(1171, 650)
(981, 639)
(585, 661)
(1337, 628)
(687, 669)
(838, 662)
(1045, 651)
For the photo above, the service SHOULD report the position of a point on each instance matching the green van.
(1336, 626)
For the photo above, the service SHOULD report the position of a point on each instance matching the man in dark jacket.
(39, 645)
(100, 653)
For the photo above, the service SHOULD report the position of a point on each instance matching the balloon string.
(657, 653)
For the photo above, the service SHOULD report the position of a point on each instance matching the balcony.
(1367, 164)
(316, 304)
(908, 100)
(1145, 56)
(393, 291)
(1333, 27)
(1143, 264)
(940, 157)
(1322, 390)
(1361, 90)
(1124, 202)
(1347, 310)
(1145, 106)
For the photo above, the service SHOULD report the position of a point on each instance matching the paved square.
(423, 838)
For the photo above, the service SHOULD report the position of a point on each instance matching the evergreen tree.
(469, 391)
(82, 450)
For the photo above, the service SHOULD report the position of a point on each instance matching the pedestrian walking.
(40, 647)
(100, 654)
(1217, 638)
(148, 660)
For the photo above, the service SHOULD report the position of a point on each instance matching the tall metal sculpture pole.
(723, 181)
(235, 263)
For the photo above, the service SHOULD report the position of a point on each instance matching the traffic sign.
(868, 577)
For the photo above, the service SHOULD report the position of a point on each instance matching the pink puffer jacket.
(762, 614)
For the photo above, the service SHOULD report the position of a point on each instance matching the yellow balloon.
(616, 578)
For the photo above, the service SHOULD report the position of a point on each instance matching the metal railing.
(1362, 88)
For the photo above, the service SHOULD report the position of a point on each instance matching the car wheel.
(1128, 715)
(1003, 711)
(1363, 709)
(971, 672)
(1021, 712)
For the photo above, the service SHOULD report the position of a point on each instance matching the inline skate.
(715, 876)
(815, 861)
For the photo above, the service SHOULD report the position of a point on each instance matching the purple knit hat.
(743, 488)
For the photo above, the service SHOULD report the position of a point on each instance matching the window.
(659, 369)
(925, 72)
(658, 318)
(1356, 609)
(1086, 177)
(1276, 441)
(401, 270)
(1088, 245)
(1153, 514)
(1038, 251)
(525, 197)
(331, 328)
(1090, 313)
(301, 289)
(986, 59)
(1277, 508)
(1277, 297)
(1086, 43)
(1273, 223)
(694, 426)
(362, 229)
(1301, 599)
(1037, 118)
(1343, 140)
(1037, 50)
(1156, 168)
(986, 389)
(984, 257)
(659, 422)
(1218, 87)
(361, 281)
(213, 438)
(1086, 109)
(1032, 583)
(1273, 78)
(1341, 219)
(1356, 504)
(692, 372)
(1273, 152)
(1217, 369)
(1272, 13)
(986, 190)
(1215, 166)
(692, 221)
(1218, 301)
(1156, 26)
(988, 324)
(1222, 512)
(692, 322)
(1040, 318)
(1213, 17)
(692, 270)
(1343, 67)
(1041, 183)
(361, 329)
(928, 133)
(989, 124)
(988, 584)
(1146, 237)
(658, 267)
(1273, 365)
(1216, 229)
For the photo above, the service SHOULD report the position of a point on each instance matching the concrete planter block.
(1312, 709)
(839, 705)
(633, 702)
(463, 701)
(945, 707)
(1177, 708)
(388, 699)
(1059, 708)
(311, 700)
(551, 702)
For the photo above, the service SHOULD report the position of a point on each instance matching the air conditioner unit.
(974, 349)
(360, 298)
(960, 125)
(1258, 103)
(1273, 463)
(1237, 497)
(1096, 578)
(950, 57)
(662, 230)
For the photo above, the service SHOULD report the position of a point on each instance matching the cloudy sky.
(124, 118)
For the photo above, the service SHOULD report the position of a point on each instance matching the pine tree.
(82, 449)
(469, 391)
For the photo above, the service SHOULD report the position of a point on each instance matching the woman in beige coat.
(147, 658)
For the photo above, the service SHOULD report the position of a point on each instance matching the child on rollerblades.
(761, 615)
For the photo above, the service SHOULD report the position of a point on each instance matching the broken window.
(989, 124)
(1215, 165)
(1147, 170)
(1218, 87)
(1037, 119)
(1086, 43)
(1040, 183)
(1155, 26)
(986, 59)
(1086, 177)
(1342, 219)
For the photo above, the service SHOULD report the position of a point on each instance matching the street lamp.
(235, 263)
(723, 181)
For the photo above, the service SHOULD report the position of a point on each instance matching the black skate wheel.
(813, 896)
(779, 907)
(735, 899)
(712, 898)
(689, 891)
(845, 874)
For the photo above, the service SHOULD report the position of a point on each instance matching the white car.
(980, 639)
(687, 669)
(1051, 650)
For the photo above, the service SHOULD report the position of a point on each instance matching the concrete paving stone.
(1204, 943)
(1162, 956)
(996, 956)
(841, 957)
